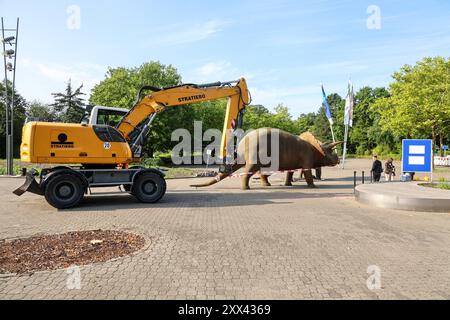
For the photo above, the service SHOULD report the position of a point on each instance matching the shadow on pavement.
(217, 198)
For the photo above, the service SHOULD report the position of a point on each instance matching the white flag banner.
(348, 118)
(349, 103)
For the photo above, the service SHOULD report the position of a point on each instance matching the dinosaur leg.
(247, 174)
(246, 180)
(301, 175)
(309, 178)
(265, 180)
(289, 177)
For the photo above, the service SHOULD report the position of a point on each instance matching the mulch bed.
(59, 251)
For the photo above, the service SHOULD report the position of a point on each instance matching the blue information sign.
(417, 155)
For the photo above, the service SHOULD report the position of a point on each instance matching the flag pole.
(348, 114)
(332, 133)
(345, 146)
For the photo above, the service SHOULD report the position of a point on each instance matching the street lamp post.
(9, 106)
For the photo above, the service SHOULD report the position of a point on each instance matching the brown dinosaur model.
(294, 152)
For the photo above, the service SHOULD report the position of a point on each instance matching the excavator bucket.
(30, 185)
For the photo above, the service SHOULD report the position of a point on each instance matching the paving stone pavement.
(223, 243)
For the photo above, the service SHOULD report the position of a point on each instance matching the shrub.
(443, 185)
(360, 150)
(152, 162)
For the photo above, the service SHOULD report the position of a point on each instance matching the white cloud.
(194, 33)
(87, 74)
(213, 68)
(52, 77)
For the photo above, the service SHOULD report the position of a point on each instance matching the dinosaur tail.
(219, 177)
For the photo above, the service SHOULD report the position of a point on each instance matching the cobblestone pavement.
(221, 242)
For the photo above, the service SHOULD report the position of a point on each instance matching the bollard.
(354, 180)
(362, 178)
(371, 177)
(24, 172)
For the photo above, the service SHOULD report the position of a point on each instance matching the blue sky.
(285, 49)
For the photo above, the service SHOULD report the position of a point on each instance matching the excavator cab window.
(109, 117)
(108, 134)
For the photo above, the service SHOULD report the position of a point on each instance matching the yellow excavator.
(103, 153)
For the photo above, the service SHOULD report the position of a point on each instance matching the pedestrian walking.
(377, 169)
(389, 170)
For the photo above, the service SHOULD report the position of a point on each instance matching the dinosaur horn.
(332, 145)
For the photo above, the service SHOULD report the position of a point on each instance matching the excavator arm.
(136, 123)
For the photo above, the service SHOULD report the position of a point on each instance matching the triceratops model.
(294, 152)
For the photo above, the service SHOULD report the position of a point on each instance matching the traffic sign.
(417, 155)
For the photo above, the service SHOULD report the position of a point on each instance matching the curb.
(402, 202)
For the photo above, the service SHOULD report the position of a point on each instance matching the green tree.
(305, 122)
(120, 87)
(282, 119)
(337, 106)
(69, 105)
(419, 104)
(366, 133)
(211, 113)
(41, 111)
(256, 116)
(317, 123)
(19, 118)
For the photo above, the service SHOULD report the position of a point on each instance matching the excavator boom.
(135, 124)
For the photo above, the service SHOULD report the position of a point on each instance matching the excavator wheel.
(64, 191)
(149, 187)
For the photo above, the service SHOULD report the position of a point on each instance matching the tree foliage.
(120, 87)
(365, 136)
(19, 118)
(69, 105)
(419, 101)
(41, 111)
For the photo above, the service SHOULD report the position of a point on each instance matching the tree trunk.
(441, 143)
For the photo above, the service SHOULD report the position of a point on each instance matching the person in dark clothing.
(389, 170)
(377, 169)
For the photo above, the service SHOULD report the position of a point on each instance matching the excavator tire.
(64, 191)
(149, 187)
